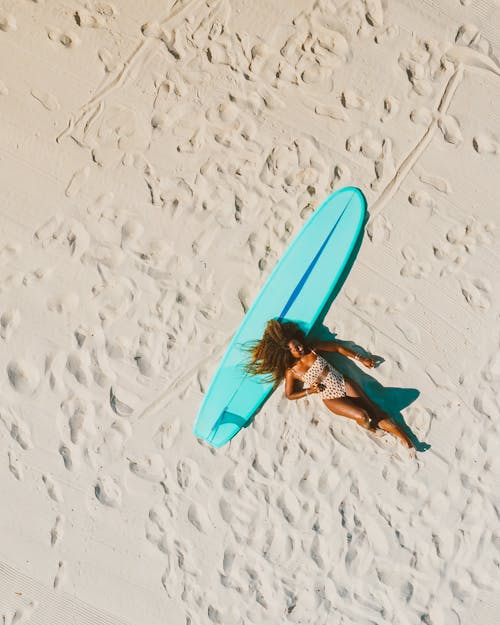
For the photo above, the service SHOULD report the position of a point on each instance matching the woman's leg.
(384, 421)
(389, 425)
(353, 389)
(345, 407)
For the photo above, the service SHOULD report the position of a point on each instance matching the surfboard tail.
(232, 421)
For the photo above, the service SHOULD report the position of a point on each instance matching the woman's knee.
(351, 410)
(363, 418)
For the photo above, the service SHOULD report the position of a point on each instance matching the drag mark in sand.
(462, 58)
(413, 156)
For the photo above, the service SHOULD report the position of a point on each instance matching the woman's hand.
(368, 362)
(314, 388)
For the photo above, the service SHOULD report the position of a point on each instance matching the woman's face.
(296, 348)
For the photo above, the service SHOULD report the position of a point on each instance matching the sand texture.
(156, 158)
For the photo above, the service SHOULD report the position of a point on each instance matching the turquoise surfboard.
(297, 290)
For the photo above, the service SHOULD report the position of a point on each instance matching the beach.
(156, 160)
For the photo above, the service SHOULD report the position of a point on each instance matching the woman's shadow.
(391, 399)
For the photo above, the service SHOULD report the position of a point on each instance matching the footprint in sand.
(53, 488)
(374, 13)
(9, 322)
(149, 467)
(118, 406)
(67, 39)
(359, 555)
(225, 510)
(103, 11)
(422, 116)
(19, 431)
(56, 532)
(108, 492)
(187, 473)
(281, 546)
(421, 199)
(22, 615)
(78, 181)
(8, 23)
(166, 435)
(341, 177)
(69, 455)
(315, 552)
(228, 560)
(450, 128)
(10, 252)
(15, 467)
(60, 575)
(391, 108)
(462, 240)
(414, 268)
(332, 111)
(262, 462)
(289, 507)
(233, 480)
(419, 419)
(100, 367)
(80, 415)
(131, 232)
(148, 356)
(55, 367)
(198, 518)
(391, 32)
(384, 165)
(114, 440)
(158, 521)
(64, 304)
(491, 371)
(379, 229)
(78, 364)
(368, 303)
(180, 571)
(477, 292)
(351, 100)
(23, 376)
(366, 143)
(438, 183)
(50, 230)
(415, 64)
(486, 405)
(485, 143)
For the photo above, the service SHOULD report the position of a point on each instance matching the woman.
(283, 353)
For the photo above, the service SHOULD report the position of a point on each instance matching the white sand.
(155, 159)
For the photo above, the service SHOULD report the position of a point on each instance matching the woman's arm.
(289, 384)
(327, 346)
(333, 346)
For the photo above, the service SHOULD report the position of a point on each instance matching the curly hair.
(270, 355)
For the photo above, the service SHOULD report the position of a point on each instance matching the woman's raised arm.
(333, 346)
(326, 346)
